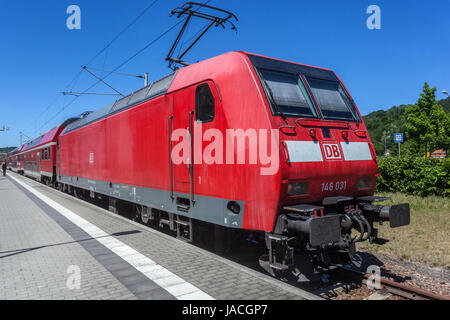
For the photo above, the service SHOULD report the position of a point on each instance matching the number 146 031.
(334, 186)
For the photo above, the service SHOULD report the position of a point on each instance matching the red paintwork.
(131, 147)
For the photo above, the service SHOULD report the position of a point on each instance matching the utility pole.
(385, 148)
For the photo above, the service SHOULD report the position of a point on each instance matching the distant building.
(439, 154)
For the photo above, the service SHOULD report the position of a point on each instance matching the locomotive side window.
(204, 103)
(288, 93)
(332, 100)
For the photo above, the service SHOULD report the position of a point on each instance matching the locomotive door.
(181, 123)
(193, 110)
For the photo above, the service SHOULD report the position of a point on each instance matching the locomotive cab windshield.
(304, 92)
(332, 100)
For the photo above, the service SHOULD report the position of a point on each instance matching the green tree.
(427, 124)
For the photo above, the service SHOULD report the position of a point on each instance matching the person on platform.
(4, 169)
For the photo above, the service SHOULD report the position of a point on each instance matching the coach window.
(42, 154)
(48, 153)
(204, 103)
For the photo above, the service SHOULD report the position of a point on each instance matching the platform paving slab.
(36, 253)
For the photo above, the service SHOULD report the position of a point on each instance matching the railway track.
(395, 288)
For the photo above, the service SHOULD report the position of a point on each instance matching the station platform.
(54, 246)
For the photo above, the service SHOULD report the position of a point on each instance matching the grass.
(426, 239)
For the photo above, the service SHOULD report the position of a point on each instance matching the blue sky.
(39, 56)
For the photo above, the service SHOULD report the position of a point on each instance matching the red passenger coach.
(37, 158)
(11, 159)
(239, 141)
(15, 162)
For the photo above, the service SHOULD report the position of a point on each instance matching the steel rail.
(401, 289)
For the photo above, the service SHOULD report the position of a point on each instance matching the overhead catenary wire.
(101, 79)
(69, 86)
(120, 65)
(111, 72)
(72, 83)
(123, 31)
(119, 73)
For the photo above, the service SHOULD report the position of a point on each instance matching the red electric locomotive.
(240, 141)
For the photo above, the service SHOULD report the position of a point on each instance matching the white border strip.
(356, 151)
(304, 151)
(167, 280)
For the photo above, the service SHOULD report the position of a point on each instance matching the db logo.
(331, 151)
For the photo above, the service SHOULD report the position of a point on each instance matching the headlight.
(297, 189)
(364, 183)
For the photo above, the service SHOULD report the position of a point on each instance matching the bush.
(416, 176)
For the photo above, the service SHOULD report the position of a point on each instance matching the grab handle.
(170, 125)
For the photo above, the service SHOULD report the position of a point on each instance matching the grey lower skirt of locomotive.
(310, 239)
